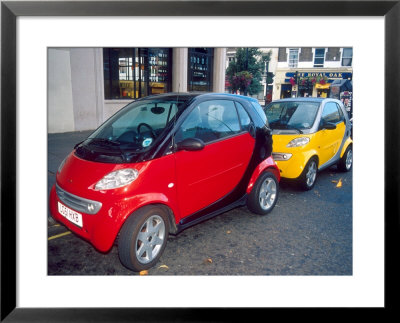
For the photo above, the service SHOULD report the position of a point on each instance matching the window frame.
(347, 57)
(296, 62)
(319, 57)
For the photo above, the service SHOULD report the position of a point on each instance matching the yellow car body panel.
(348, 142)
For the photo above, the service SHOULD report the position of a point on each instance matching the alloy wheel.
(311, 173)
(349, 159)
(267, 194)
(150, 239)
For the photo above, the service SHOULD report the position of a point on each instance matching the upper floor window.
(319, 57)
(347, 56)
(293, 57)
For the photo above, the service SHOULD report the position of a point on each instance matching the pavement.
(59, 146)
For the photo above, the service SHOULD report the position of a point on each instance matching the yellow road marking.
(59, 235)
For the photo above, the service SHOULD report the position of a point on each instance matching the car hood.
(79, 176)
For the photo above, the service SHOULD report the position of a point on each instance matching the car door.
(205, 176)
(330, 139)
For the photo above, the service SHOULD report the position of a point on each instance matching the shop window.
(131, 73)
(319, 57)
(200, 69)
(347, 56)
(159, 78)
(286, 91)
(293, 57)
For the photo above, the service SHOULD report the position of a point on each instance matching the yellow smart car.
(309, 134)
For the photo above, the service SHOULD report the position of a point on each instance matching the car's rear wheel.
(143, 238)
(346, 162)
(308, 177)
(264, 195)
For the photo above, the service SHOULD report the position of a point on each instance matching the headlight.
(298, 142)
(117, 179)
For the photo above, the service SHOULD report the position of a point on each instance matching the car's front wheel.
(308, 177)
(264, 194)
(143, 238)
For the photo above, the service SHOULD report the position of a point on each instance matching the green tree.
(252, 61)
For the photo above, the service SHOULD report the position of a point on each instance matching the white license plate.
(70, 215)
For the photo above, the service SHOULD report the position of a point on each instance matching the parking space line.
(59, 235)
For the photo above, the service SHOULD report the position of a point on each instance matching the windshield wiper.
(106, 141)
(297, 129)
(110, 142)
(279, 125)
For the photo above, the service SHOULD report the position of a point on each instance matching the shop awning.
(322, 86)
(344, 85)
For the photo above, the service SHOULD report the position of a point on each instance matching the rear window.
(260, 112)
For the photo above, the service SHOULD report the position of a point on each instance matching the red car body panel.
(205, 176)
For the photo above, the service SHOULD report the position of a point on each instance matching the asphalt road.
(308, 233)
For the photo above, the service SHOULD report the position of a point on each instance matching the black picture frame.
(10, 10)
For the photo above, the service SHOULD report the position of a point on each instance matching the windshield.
(138, 125)
(292, 114)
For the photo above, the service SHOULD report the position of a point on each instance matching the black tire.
(264, 195)
(135, 235)
(308, 177)
(346, 162)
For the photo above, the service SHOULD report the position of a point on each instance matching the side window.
(331, 113)
(209, 121)
(340, 112)
(243, 116)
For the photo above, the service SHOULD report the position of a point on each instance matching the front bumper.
(99, 226)
(293, 165)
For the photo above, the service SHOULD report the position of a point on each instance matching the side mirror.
(190, 144)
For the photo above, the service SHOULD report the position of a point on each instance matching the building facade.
(314, 72)
(88, 85)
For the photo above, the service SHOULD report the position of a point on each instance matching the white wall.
(60, 103)
(85, 89)
(75, 89)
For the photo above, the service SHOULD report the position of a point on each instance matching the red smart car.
(162, 164)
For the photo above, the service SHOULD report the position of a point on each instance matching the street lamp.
(247, 67)
(266, 81)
